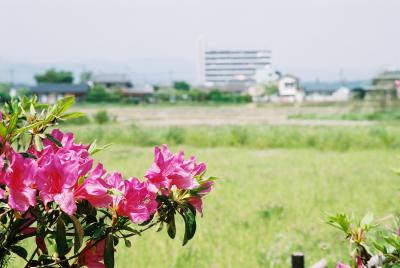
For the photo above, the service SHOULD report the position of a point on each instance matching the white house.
(289, 89)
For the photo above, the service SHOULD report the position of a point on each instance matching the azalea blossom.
(137, 202)
(196, 199)
(55, 181)
(170, 170)
(95, 189)
(20, 180)
(93, 256)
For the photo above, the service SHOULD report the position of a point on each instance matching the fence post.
(298, 260)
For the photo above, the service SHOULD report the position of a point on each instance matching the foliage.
(271, 89)
(181, 85)
(337, 138)
(390, 114)
(101, 117)
(85, 77)
(99, 93)
(76, 213)
(54, 76)
(4, 92)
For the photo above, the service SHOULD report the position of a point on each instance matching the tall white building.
(221, 67)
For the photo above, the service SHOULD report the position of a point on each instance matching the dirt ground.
(219, 115)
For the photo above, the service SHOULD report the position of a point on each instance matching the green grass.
(388, 115)
(276, 184)
(257, 137)
(268, 204)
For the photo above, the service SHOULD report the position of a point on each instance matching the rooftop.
(60, 88)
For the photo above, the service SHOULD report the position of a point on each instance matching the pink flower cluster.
(65, 175)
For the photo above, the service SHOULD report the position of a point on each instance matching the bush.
(76, 212)
(101, 117)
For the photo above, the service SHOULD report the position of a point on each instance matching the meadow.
(277, 182)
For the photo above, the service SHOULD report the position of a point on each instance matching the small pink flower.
(93, 256)
(95, 189)
(137, 203)
(20, 180)
(196, 199)
(170, 170)
(56, 180)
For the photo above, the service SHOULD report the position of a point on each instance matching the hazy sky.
(311, 38)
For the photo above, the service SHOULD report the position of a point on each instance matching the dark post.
(298, 260)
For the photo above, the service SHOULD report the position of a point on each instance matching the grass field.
(268, 204)
(277, 183)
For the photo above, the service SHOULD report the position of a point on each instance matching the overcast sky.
(311, 38)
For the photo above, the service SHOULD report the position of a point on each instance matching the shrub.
(101, 117)
(76, 213)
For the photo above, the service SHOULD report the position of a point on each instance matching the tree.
(85, 77)
(4, 92)
(181, 85)
(271, 89)
(53, 76)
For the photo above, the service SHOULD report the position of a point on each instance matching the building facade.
(222, 67)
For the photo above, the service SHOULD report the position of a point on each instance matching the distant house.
(326, 92)
(138, 91)
(112, 80)
(50, 93)
(289, 89)
(386, 82)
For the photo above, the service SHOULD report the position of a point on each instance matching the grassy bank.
(262, 137)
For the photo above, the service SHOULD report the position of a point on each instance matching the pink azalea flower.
(67, 141)
(93, 256)
(170, 170)
(137, 203)
(95, 189)
(20, 180)
(196, 199)
(56, 180)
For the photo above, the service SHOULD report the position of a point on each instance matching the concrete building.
(222, 67)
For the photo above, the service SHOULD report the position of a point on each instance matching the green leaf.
(109, 252)
(37, 141)
(54, 140)
(28, 155)
(3, 130)
(20, 251)
(72, 115)
(79, 233)
(94, 149)
(367, 219)
(190, 223)
(128, 228)
(128, 243)
(28, 127)
(12, 123)
(172, 228)
(61, 238)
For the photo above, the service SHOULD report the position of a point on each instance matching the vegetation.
(267, 205)
(99, 93)
(74, 211)
(181, 85)
(54, 76)
(263, 137)
(101, 117)
(389, 114)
